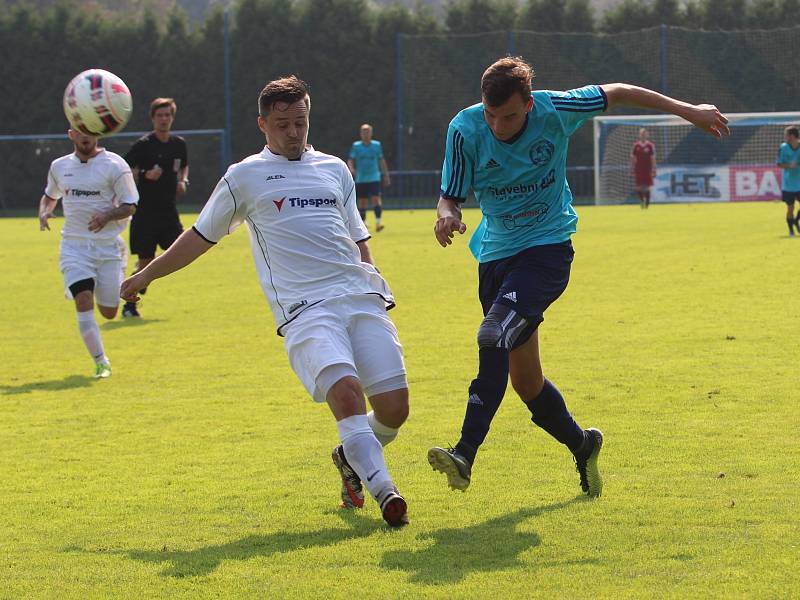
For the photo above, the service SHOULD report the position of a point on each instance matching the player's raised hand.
(130, 288)
(445, 228)
(708, 118)
(43, 217)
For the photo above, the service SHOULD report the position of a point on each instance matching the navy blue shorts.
(369, 189)
(528, 282)
(790, 197)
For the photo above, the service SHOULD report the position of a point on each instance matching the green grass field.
(202, 469)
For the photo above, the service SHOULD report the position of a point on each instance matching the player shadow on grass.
(493, 545)
(67, 383)
(202, 561)
(123, 323)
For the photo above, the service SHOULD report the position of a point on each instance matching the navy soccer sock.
(797, 221)
(363, 213)
(549, 412)
(791, 224)
(378, 211)
(485, 394)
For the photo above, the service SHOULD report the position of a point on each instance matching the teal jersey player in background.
(369, 169)
(511, 151)
(789, 162)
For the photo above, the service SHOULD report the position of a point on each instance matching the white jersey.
(304, 225)
(87, 188)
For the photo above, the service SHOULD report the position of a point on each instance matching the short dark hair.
(289, 89)
(163, 103)
(793, 130)
(507, 76)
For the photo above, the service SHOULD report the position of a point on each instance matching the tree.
(476, 16)
(724, 14)
(666, 12)
(579, 16)
(542, 15)
(628, 15)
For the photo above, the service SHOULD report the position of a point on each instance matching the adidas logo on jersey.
(511, 296)
(492, 164)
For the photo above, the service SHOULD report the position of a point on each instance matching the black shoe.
(394, 508)
(352, 490)
(130, 311)
(451, 463)
(586, 464)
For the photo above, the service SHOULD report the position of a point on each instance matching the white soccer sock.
(384, 433)
(364, 453)
(90, 333)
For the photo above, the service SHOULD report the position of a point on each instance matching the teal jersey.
(367, 158)
(790, 180)
(521, 185)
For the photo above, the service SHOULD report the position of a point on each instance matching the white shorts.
(105, 262)
(352, 331)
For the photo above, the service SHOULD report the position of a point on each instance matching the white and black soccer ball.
(97, 102)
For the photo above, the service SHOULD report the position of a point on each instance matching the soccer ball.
(97, 102)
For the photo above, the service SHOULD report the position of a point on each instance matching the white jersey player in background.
(310, 248)
(98, 194)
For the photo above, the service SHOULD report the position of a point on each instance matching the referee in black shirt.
(160, 164)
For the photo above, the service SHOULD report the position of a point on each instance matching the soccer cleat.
(129, 311)
(452, 464)
(379, 227)
(394, 508)
(586, 465)
(352, 490)
(102, 370)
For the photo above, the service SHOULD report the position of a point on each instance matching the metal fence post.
(400, 108)
(226, 40)
(664, 47)
(512, 43)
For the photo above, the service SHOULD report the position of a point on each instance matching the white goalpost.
(692, 166)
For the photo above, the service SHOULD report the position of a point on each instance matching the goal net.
(691, 165)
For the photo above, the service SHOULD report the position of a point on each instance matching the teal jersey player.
(511, 150)
(367, 158)
(520, 183)
(789, 163)
(790, 180)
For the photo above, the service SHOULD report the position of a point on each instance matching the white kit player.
(98, 194)
(310, 248)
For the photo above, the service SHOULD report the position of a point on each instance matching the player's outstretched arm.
(448, 221)
(704, 116)
(182, 252)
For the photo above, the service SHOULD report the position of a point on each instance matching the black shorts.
(367, 190)
(790, 197)
(153, 230)
(528, 282)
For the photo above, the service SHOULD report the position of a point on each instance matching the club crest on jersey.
(541, 152)
(271, 177)
(279, 203)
